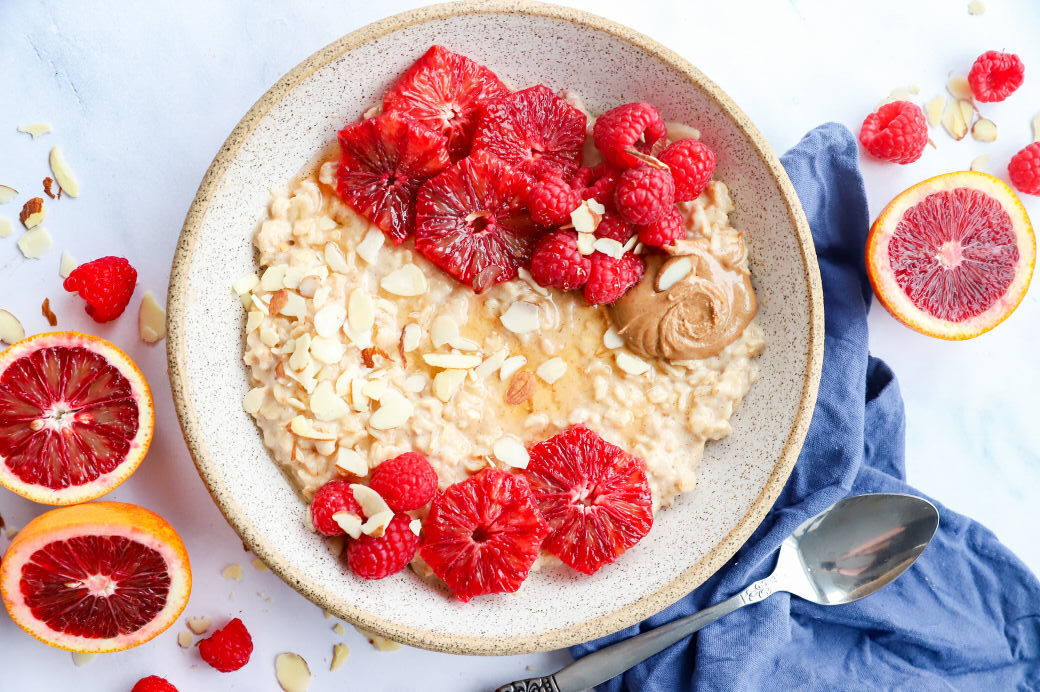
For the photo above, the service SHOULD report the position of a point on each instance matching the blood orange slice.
(952, 256)
(97, 577)
(76, 417)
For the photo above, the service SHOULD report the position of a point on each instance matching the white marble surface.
(142, 95)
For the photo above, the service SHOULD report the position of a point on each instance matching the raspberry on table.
(994, 76)
(373, 557)
(644, 194)
(405, 482)
(614, 227)
(609, 278)
(334, 496)
(551, 201)
(558, 263)
(229, 648)
(1024, 169)
(692, 162)
(897, 132)
(630, 126)
(664, 231)
(153, 683)
(106, 284)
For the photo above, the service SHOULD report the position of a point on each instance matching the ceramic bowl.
(608, 64)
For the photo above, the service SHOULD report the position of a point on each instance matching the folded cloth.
(965, 616)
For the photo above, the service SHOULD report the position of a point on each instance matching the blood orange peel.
(96, 577)
(76, 417)
(952, 256)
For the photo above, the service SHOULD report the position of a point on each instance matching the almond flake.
(296, 403)
(552, 369)
(415, 526)
(959, 88)
(32, 213)
(7, 228)
(67, 265)
(1036, 128)
(184, 639)
(349, 522)
(358, 400)
(35, 129)
(273, 278)
(7, 193)
(350, 461)
(253, 399)
(10, 328)
(81, 658)
(151, 319)
(63, 174)
(301, 357)
(368, 249)
(443, 330)
(976, 7)
(329, 319)
(511, 452)
(630, 244)
(520, 318)
(380, 643)
(410, 337)
(374, 388)
(301, 427)
(584, 219)
(328, 350)
(35, 243)
(463, 344)
(360, 313)
(335, 258)
(325, 405)
(415, 384)
(611, 338)
(984, 130)
(269, 336)
(455, 361)
(934, 110)
(639, 249)
(673, 271)
(292, 672)
(631, 364)
(953, 120)
(371, 502)
(609, 247)
(510, 366)
(406, 282)
(199, 625)
(246, 283)
(596, 207)
(491, 364)
(340, 653)
(232, 572)
(375, 525)
(393, 412)
(524, 274)
(586, 243)
(295, 306)
(979, 162)
(967, 111)
(446, 383)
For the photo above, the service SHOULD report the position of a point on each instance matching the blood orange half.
(96, 577)
(76, 417)
(952, 256)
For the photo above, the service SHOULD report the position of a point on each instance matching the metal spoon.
(844, 553)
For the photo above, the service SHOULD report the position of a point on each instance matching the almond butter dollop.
(696, 316)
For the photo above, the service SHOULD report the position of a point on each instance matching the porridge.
(362, 348)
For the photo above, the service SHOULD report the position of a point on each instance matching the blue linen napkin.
(965, 616)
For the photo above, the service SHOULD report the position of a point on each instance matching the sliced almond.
(375, 525)
(406, 282)
(491, 364)
(372, 503)
(510, 366)
(273, 278)
(393, 412)
(674, 270)
(979, 162)
(595, 207)
(7, 193)
(585, 219)
(639, 249)
(446, 383)
(959, 88)
(454, 361)
(151, 319)
(511, 452)
(415, 526)
(967, 111)
(32, 213)
(301, 357)
(1036, 128)
(329, 319)
(609, 247)
(199, 625)
(295, 306)
(184, 639)
(586, 243)
(611, 338)
(525, 275)
(253, 400)
(349, 522)
(552, 370)
(368, 248)
(7, 228)
(984, 130)
(340, 653)
(292, 672)
(11, 329)
(328, 350)
(520, 387)
(268, 336)
(82, 658)
(63, 174)
(232, 572)
(414, 383)
(934, 110)
(443, 330)
(339, 629)
(350, 461)
(360, 312)
(358, 400)
(411, 335)
(325, 405)
(335, 258)
(521, 317)
(246, 283)
(461, 343)
(35, 243)
(631, 364)
(302, 427)
(35, 129)
(68, 264)
(380, 643)
(953, 120)
(976, 7)
(374, 388)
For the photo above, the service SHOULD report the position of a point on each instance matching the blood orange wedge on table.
(96, 577)
(952, 256)
(76, 417)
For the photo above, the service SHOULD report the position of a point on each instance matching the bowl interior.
(739, 476)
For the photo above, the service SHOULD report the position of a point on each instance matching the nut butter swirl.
(695, 317)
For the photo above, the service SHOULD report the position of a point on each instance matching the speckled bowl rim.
(600, 626)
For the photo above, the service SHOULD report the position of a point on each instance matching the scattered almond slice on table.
(81, 659)
(984, 130)
(151, 319)
(63, 174)
(35, 243)
(232, 572)
(934, 110)
(293, 673)
(979, 162)
(976, 7)
(33, 213)
(7, 194)
(6, 228)
(35, 129)
(1036, 128)
(199, 625)
(67, 265)
(959, 88)
(340, 653)
(184, 639)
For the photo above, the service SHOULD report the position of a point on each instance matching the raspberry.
(897, 132)
(374, 558)
(334, 496)
(665, 230)
(644, 194)
(153, 683)
(597, 183)
(613, 226)
(594, 495)
(609, 278)
(692, 162)
(483, 534)
(994, 76)
(557, 262)
(621, 128)
(405, 482)
(551, 201)
(1024, 169)
(228, 648)
(106, 284)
